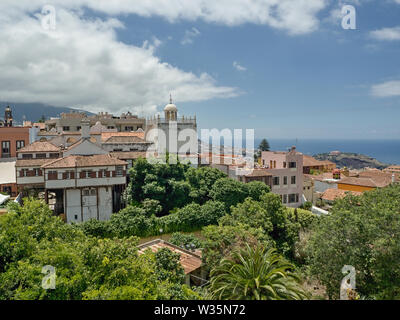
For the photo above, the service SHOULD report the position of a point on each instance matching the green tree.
(256, 189)
(363, 232)
(201, 181)
(255, 274)
(229, 191)
(264, 145)
(187, 241)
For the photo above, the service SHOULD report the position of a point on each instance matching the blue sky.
(309, 86)
(320, 82)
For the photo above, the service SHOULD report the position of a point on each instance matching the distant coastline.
(385, 151)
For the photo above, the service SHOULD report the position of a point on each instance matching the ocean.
(387, 151)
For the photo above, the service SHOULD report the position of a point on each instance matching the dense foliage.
(363, 232)
(256, 274)
(86, 267)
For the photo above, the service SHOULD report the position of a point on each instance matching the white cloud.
(293, 16)
(388, 34)
(190, 35)
(386, 89)
(238, 67)
(82, 64)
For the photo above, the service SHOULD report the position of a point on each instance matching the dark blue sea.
(387, 151)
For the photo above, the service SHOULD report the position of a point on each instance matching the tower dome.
(171, 111)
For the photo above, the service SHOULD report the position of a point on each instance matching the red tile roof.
(312, 162)
(128, 155)
(40, 146)
(32, 162)
(190, 261)
(333, 194)
(84, 161)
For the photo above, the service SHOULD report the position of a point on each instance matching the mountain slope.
(33, 111)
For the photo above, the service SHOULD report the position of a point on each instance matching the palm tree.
(255, 274)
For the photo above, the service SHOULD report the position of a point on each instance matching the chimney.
(85, 131)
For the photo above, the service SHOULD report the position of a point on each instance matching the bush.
(187, 241)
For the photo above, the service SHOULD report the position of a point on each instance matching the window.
(285, 198)
(5, 149)
(24, 173)
(70, 175)
(285, 181)
(66, 128)
(37, 172)
(52, 175)
(20, 144)
(284, 164)
(293, 180)
(119, 171)
(128, 128)
(40, 156)
(293, 198)
(275, 181)
(53, 155)
(118, 150)
(27, 156)
(110, 127)
(89, 192)
(292, 165)
(78, 128)
(76, 217)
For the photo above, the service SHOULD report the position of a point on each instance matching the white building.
(82, 182)
(173, 134)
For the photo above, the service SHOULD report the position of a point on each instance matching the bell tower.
(8, 119)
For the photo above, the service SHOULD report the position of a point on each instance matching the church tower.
(8, 120)
(171, 111)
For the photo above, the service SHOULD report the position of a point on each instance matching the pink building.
(286, 169)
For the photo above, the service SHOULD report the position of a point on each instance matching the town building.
(287, 175)
(392, 169)
(71, 122)
(173, 134)
(13, 138)
(311, 165)
(8, 181)
(81, 182)
(368, 180)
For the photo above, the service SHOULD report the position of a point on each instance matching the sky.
(285, 68)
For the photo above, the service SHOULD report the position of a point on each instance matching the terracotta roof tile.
(84, 161)
(40, 146)
(128, 155)
(106, 135)
(260, 173)
(190, 261)
(333, 194)
(32, 162)
(309, 161)
(125, 139)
